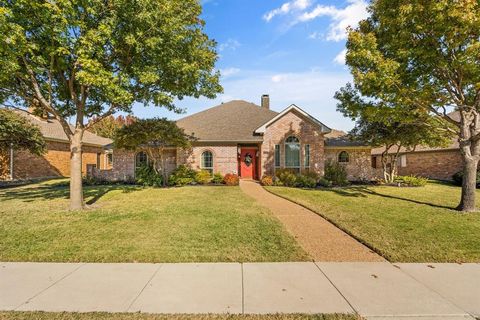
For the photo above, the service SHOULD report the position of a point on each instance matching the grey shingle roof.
(231, 121)
(52, 130)
(338, 138)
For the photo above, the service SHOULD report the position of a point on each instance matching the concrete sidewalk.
(376, 290)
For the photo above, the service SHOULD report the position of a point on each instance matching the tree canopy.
(18, 133)
(424, 56)
(109, 126)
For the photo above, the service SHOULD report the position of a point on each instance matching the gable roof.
(231, 121)
(292, 107)
(51, 129)
(339, 139)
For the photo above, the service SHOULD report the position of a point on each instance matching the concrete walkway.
(375, 290)
(321, 239)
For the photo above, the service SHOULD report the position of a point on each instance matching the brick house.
(251, 140)
(20, 164)
(433, 163)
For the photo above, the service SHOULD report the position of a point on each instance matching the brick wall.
(288, 125)
(359, 166)
(225, 158)
(431, 164)
(54, 163)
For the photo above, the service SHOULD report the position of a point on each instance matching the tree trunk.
(469, 186)
(76, 188)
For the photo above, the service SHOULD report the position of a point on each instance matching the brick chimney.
(265, 101)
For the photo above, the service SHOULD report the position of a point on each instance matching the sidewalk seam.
(338, 290)
(141, 291)
(243, 290)
(42, 291)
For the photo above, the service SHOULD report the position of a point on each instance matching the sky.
(292, 50)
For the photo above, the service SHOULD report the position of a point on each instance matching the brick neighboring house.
(21, 164)
(250, 140)
(433, 163)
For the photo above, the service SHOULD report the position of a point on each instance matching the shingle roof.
(231, 121)
(52, 130)
(452, 146)
(338, 138)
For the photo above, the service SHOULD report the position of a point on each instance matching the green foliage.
(411, 181)
(266, 180)
(146, 176)
(305, 181)
(286, 176)
(336, 173)
(18, 132)
(217, 178)
(458, 178)
(203, 177)
(231, 179)
(182, 176)
(325, 183)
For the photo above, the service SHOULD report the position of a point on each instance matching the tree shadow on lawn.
(363, 191)
(61, 190)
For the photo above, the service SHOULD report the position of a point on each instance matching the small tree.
(108, 127)
(391, 127)
(154, 136)
(18, 133)
(91, 58)
(425, 55)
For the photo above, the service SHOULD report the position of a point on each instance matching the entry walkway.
(321, 239)
(376, 290)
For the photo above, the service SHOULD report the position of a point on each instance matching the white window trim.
(305, 163)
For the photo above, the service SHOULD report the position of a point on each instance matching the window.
(343, 157)
(99, 155)
(374, 162)
(277, 155)
(306, 158)
(207, 161)
(109, 158)
(292, 153)
(402, 161)
(141, 159)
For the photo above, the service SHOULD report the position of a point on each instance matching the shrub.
(203, 177)
(182, 176)
(305, 181)
(411, 181)
(231, 179)
(286, 177)
(458, 178)
(217, 178)
(266, 180)
(146, 176)
(325, 182)
(336, 173)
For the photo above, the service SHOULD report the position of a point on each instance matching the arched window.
(292, 153)
(141, 159)
(343, 157)
(207, 161)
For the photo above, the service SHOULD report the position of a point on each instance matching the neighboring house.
(433, 163)
(21, 164)
(250, 140)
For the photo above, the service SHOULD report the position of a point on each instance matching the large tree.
(425, 54)
(391, 127)
(154, 136)
(91, 58)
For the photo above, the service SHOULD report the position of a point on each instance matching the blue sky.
(292, 50)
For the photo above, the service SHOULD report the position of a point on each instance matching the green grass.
(132, 224)
(142, 316)
(403, 224)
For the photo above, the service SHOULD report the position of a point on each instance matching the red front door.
(248, 163)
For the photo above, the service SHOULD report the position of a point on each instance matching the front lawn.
(143, 316)
(132, 224)
(403, 224)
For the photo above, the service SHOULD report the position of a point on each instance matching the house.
(252, 140)
(433, 163)
(20, 164)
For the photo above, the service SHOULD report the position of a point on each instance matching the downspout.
(11, 161)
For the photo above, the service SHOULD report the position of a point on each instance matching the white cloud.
(227, 72)
(230, 44)
(287, 7)
(279, 77)
(340, 58)
(341, 17)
